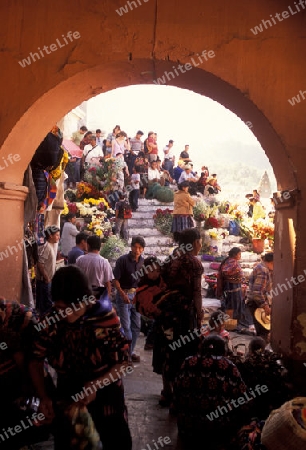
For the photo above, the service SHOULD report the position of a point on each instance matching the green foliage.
(156, 187)
(160, 193)
(113, 248)
(164, 194)
(163, 221)
(149, 193)
(70, 195)
(223, 207)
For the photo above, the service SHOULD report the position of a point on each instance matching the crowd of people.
(82, 334)
(145, 162)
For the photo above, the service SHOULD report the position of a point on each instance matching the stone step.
(143, 214)
(136, 222)
(161, 252)
(148, 208)
(156, 241)
(144, 231)
(153, 202)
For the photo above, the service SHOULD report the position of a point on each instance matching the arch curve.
(62, 98)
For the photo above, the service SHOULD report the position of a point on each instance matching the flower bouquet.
(113, 248)
(212, 222)
(163, 220)
(202, 211)
(100, 226)
(262, 229)
(86, 190)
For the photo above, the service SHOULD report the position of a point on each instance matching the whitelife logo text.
(53, 47)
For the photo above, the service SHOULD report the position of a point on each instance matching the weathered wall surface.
(252, 74)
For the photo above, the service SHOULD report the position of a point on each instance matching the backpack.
(150, 300)
(127, 210)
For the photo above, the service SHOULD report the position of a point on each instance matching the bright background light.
(217, 137)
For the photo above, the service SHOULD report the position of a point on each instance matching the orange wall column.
(12, 199)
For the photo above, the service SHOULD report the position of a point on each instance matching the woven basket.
(230, 324)
(281, 431)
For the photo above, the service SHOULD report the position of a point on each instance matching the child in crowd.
(216, 326)
(141, 165)
(135, 188)
(121, 226)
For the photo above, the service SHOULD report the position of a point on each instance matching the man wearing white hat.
(187, 175)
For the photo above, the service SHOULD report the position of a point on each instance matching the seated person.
(213, 186)
(178, 170)
(164, 172)
(216, 327)
(155, 175)
(202, 182)
(188, 175)
(264, 367)
(204, 388)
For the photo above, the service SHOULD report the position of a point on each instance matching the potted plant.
(261, 230)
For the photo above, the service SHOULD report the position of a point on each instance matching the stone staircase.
(142, 223)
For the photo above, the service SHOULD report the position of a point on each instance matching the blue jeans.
(130, 319)
(121, 229)
(168, 165)
(133, 198)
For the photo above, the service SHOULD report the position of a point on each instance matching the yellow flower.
(65, 210)
(98, 232)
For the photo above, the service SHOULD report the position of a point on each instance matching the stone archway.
(55, 103)
(65, 96)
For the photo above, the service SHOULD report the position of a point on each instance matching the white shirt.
(92, 152)
(153, 174)
(47, 257)
(97, 269)
(168, 152)
(185, 176)
(69, 233)
(117, 148)
(101, 141)
(135, 177)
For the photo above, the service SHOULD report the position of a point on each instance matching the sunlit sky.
(173, 113)
(216, 136)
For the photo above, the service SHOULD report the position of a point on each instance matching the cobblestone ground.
(148, 421)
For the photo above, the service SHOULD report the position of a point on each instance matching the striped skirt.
(181, 222)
